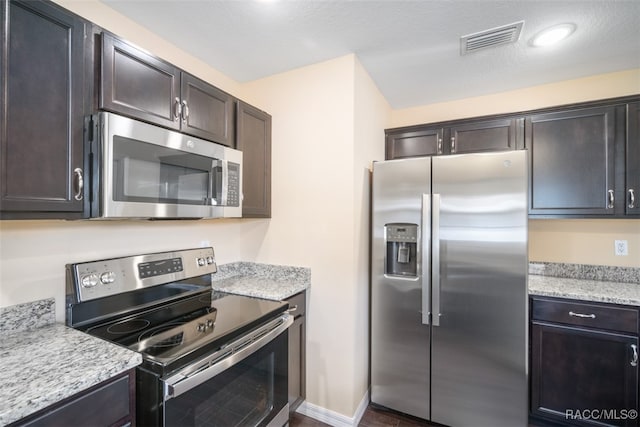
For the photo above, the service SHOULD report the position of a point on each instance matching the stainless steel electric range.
(207, 361)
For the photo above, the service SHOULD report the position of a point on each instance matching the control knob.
(200, 262)
(89, 281)
(108, 277)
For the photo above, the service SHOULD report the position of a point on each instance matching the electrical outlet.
(621, 247)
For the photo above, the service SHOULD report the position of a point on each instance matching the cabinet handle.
(611, 199)
(439, 145)
(185, 111)
(453, 144)
(177, 109)
(632, 199)
(590, 316)
(634, 361)
(78, 184)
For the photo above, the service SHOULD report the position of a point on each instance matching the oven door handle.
(223, 359)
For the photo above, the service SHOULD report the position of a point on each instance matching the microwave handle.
(213, 197)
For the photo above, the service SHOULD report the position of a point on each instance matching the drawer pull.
(590, 316)
(634, 361)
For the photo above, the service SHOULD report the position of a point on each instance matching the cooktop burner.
(128, 326)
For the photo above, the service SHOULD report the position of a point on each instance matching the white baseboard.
(333, 418)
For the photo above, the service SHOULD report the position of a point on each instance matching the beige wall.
(566, 92)
(574, 241)
(584, 241)
(328, 122)
(33, 253)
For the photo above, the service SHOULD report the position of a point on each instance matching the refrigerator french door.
(449, 288)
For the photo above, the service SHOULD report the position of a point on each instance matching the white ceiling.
(410, 48)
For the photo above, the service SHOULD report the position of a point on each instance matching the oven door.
(243, 384)
(145, 171)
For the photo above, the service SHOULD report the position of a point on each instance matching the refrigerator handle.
(424, 259)
(435, 260)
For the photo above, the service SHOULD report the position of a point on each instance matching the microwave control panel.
(233, 191)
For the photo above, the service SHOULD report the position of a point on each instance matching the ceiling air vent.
(498, 36)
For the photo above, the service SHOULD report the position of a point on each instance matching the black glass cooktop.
(184, 330)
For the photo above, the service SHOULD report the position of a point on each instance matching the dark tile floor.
(373, 417)
(378, 417)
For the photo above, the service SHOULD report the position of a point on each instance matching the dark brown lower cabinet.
(111, 403)
(584, 375)
(297, 352)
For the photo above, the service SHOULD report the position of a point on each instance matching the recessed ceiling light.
(553, 35)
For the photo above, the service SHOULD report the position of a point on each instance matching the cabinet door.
(41, 133)
(577, 369)
(572, 162)
(424, 142)
(137, 84)
(632, 188)
(254, 140)
(296, 363)
(207, 111)
(490, 135)
(297, 351)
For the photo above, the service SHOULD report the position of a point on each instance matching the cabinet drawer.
(109, 404)
(592, 315)
(299, 301)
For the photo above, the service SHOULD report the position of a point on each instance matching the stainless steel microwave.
(140, 170)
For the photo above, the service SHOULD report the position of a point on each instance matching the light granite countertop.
(586, 290)
(44, 363)
(274, 282)
(618, 285)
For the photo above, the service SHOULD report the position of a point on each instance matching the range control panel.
(158, 268)
(98, 279)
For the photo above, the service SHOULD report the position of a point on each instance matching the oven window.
(150, 173)
(249, 393)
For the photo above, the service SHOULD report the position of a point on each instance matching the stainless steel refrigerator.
(449, 288)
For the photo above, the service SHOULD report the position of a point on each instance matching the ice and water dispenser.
(402, 244)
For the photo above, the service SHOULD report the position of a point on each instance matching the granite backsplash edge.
(586, 272)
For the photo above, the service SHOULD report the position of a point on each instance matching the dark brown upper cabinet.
(632, 163)
(140, 85)
(254, 140)
(42, 111)
(207, 112)
(413, 143)
(486, 135)
(455, 137)
(572, 162)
